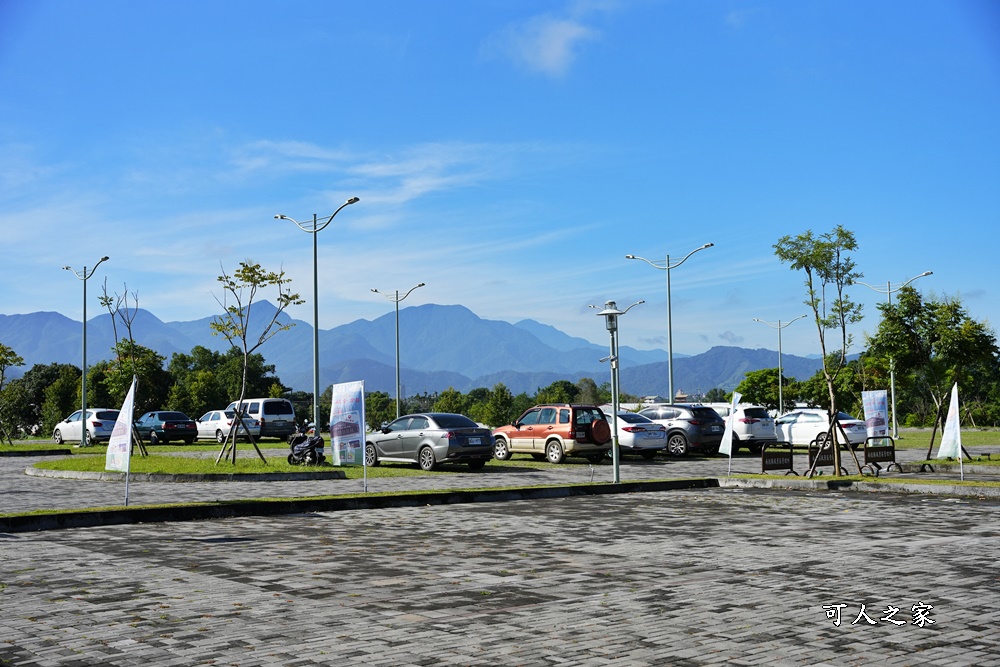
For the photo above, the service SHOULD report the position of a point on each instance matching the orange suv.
(554, 432)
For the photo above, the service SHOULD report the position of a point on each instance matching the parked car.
(276, 415)
(161, 426)
(429, 439)
(689, 426)
(639, 435)
(217, 424)
(554, 432)
(800, 427)
(753, 425)
(100, 424)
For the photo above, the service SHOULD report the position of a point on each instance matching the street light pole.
(781, 380)
(889, 289)
(84, 275)
(665, 265)
(395, 298)
(611, 315)
(315, 228)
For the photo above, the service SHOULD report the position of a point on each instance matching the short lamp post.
(666, 266)
(315, 227)
(395, 298)
(781, 380)
(611, 315)
(889, 289)
(84, 275)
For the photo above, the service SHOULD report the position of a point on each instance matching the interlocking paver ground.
(695, 577)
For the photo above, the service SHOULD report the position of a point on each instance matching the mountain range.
(440, 347)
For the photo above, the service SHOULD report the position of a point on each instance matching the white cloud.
(545, 44)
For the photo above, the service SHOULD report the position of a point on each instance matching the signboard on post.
(876, 413)
(347, 423)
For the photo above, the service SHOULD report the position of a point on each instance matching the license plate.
(278, 422)
(714, 429)
(475, 441)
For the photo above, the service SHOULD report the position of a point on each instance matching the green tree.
(587, 391)
(239, 293)
(379, 409)
(717, 395)
(560, 391)
(499, 409)
(829, 270)
(8, 358)
(61, 397)
(451, 400)
(934, 344)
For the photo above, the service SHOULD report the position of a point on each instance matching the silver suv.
(690, 426)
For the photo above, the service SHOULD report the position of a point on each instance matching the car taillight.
(449, 435)
(632, 429)
(695, 422)
(749, 420)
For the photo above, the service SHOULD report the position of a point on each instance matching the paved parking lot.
(706, 577)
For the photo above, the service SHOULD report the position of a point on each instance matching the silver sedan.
(429, 439)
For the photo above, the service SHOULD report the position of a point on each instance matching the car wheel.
(291, 459)
(189, 441)
(371, 456)
(677, 445)
(501, 450)
(755, 447)
(57, 436)
(554, 452)
(648, 454)
(735, 447)
(596, 458)
(426, 459)
(220, 437)
(477, 465)
(154, 439)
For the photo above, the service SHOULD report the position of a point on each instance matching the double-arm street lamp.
(611, 315)
(781, 380)
(84, 275)
(315, 227)
(666, 265)
(889, 289)
(395, 298)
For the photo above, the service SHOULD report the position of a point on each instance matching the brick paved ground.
(708, 577)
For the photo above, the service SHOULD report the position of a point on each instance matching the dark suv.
(690, 426)
(554, 432)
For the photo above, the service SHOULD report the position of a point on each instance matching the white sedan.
(215, 424)
(801, 427)
(639, 435)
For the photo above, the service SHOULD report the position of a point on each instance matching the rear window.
(278, 408)
(107, 415)
(756, 413)
(706, 413)
(454, 421)
(587, 415)
(632, 418)
(173, 416)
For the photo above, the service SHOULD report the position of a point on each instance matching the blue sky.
(508, 153)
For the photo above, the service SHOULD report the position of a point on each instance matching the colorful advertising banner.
(876, 413)
(347, 423)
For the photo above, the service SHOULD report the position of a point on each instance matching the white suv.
(753, 426)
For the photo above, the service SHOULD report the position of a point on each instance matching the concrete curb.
(242, 508)
(204, 477)
(834, 484)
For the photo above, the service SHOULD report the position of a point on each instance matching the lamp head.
(105, 258)
(279, 217)
(352, 200)
(708, 245)
(375, 290)
(629, 256)
(421, 284)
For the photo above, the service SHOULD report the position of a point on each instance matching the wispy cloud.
(548, 43)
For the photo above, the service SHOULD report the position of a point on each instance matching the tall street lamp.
(611, 315)
(315, 227)
(395, 298)
(84, 275)
(665, 265)
(889, 289)
(781, 380)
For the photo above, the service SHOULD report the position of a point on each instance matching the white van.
(276, 415)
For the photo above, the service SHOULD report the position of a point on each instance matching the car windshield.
(454, 421)
(174, 417)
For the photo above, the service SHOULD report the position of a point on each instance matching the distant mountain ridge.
(440, 346)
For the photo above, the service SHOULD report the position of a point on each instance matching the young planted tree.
(240, 291)
(826, 262)
(8, 358)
